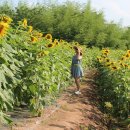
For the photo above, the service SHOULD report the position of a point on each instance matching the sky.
(114, 10)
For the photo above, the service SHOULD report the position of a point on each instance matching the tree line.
(72, 22)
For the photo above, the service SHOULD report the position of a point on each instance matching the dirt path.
(72, 112)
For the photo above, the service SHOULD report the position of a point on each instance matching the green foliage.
(91, 56)
(114, 37)
(36, 81)
(28, 74)
(115, 90)
(113, 85)
(126, 37)
(8, 78)
(7, 8)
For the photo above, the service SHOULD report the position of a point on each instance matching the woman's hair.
(76, 48)
(81, 53)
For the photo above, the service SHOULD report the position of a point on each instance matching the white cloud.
(114, 10)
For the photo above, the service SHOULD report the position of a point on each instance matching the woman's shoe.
(77, 92)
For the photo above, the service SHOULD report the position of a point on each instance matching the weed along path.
(72, 112)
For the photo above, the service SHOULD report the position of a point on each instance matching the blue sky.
(114, 10)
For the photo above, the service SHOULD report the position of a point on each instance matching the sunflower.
(46, 52)
(33, 39)
(76, 43)
(71, 47)
(119, 61)
(6, 19)
(125, 65)
(108, 64)
(107, 60)
(56, 42)
(48, 36)
(39, 34)
(104, 57)
(61, 40)
(127, 55)
(112, 63)
(106, 51)
(30, 29)
(25, 23)
(50, 45)
(128, 51)
(121, 64)
(123, 58)
(99, 59)
(114, 68)
(3, 28)
(43, 53)
(108, 105)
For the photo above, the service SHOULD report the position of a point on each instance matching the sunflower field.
(34, 67)
(114, 82)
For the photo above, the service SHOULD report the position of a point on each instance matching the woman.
(76, 69)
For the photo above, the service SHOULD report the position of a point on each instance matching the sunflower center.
(1, 28)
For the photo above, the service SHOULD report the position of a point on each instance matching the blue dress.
(76, 68)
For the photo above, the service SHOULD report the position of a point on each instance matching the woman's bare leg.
(77, 82)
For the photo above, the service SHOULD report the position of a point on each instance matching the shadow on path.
(89, 98)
